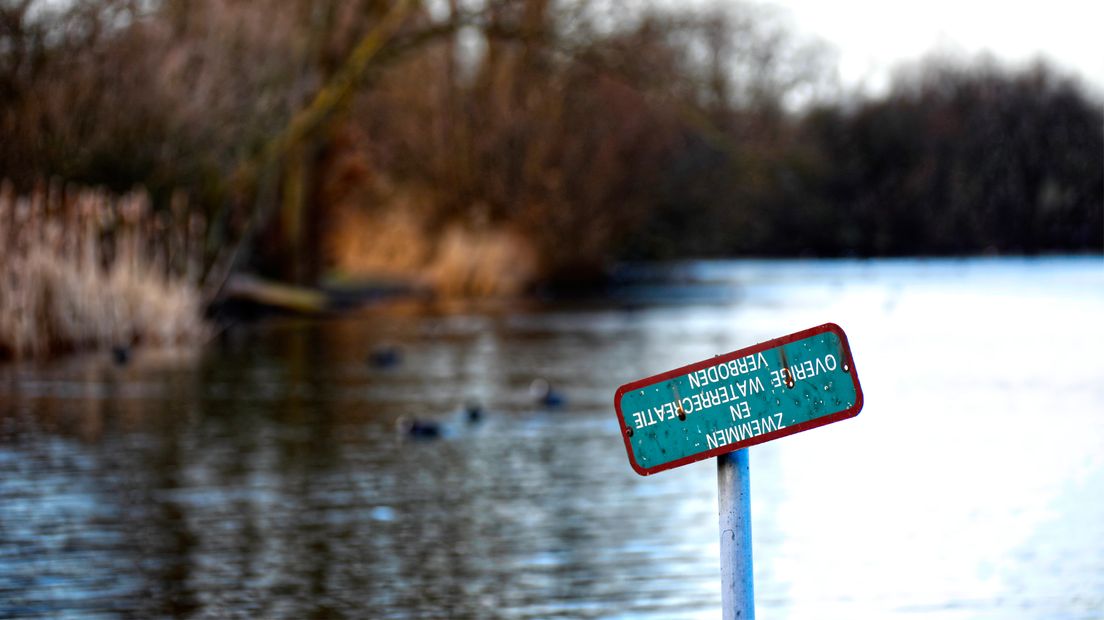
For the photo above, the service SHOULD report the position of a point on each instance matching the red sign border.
(850, 412)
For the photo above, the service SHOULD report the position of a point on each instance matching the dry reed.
(454, 260)
(80, 269)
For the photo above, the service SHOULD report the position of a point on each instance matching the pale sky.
(871, 37)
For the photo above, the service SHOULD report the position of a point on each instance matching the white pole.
(734, 503)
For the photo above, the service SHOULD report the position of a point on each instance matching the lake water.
(263, 476)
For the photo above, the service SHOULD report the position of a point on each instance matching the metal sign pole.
(721, 405)
(734, 503)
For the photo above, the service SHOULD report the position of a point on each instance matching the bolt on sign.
(773, 389)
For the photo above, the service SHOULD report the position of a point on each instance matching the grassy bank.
(80, 269)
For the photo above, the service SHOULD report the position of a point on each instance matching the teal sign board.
(732, 401)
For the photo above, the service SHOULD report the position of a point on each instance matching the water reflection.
(264, 477)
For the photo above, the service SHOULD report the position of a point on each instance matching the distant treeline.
(953, 160)
(592, 131)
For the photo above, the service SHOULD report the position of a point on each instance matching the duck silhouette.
(120, 354)
(545, 395)
(385, 356)
(473, 412)
(418, 428)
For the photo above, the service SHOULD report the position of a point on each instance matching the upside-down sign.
(770, 390)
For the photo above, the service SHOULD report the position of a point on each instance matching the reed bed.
(81, 269)
(453, 260)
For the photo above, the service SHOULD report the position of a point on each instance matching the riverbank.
(83, 270)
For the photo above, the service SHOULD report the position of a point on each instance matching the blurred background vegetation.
(483, 148)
